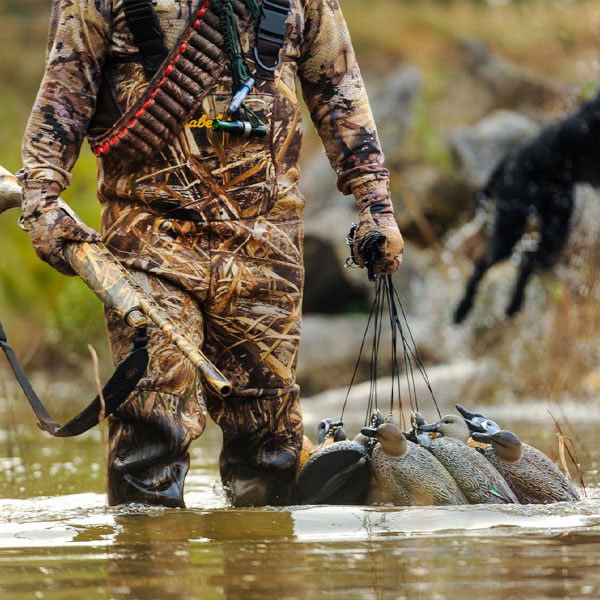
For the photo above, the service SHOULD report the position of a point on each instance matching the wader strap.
(174, 94)
(115, 392)
(147, 34)
(270, 35)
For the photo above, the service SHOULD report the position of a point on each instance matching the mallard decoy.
(475, 476)
(408, 474)
(534, 478)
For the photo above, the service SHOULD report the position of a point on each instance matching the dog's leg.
(509, 225)
(555, 222)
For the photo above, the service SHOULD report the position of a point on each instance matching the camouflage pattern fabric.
(41, 213)
(211, 226)
(236, 288)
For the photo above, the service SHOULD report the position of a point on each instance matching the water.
(58, 540)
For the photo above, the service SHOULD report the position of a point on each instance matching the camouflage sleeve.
(336, 97)
(78, 41)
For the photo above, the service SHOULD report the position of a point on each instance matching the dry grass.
(557, 39)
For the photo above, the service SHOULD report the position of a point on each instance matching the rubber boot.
(140, 482)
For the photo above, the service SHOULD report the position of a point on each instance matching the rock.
(510, 85)
(392, 105)
(432, 202)
(327, 288)
(485, 82)
(329, 350)
(477, 149)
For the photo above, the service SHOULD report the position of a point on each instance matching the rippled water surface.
(59, 540)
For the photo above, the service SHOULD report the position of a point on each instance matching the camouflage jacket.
(203, 174)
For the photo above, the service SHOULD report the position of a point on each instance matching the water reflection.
(67, 544)
(54, 550)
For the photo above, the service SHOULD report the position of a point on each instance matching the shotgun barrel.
(119, 291)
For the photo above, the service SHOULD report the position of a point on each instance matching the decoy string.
(414, 351)
(360, 351)
(386, 297)
(372, 402)
(395, 370)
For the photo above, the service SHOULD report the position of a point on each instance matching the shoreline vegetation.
(50, 318)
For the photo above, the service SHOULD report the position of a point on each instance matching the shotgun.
(119, 291)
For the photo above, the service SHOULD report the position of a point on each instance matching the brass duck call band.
(118, 290)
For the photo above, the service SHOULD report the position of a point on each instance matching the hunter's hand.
(389, 252)
(377, 238)
(49, 226)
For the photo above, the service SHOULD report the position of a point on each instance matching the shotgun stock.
(119, 291)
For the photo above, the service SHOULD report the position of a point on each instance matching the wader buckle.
(271, 33)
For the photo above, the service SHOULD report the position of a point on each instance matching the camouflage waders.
(236, 288)
(211, 226)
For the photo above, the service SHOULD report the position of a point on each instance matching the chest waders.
(261, 422)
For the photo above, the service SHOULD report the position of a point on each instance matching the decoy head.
(391, 419)
(451, 426)
(392, 439)
(377, 418)
(339, 435)
(416, 435)
(325, 426)
(507, 445)
(417, 419)
(477, 421)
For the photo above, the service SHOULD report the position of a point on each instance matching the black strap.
(115, 392)
(147, 34)
(270, 35)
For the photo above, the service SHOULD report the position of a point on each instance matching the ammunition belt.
(174, 93)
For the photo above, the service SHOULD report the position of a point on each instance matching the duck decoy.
(477, 421)
(337, 473)
(408, 474)
(533, 477)
(479, 481)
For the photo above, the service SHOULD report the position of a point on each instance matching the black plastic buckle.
(272, 23)
(143, 21)
(271, 32)
(147, 34)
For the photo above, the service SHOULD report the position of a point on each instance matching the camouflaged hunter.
(209, 223)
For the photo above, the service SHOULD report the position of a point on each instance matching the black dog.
(538, 177)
